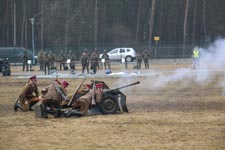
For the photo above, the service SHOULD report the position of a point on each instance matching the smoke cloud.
(212, 62)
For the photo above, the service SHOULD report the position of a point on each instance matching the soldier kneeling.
(92, 97)
(52, 97)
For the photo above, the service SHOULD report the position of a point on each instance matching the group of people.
(145, 56)
(54, 97)
(47, 60)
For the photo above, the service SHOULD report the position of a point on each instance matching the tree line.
(109, 23)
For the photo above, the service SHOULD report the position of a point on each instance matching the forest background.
(99, 24)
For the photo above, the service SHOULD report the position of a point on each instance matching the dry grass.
(177, 116)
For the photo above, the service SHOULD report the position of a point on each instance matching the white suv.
(128, 54)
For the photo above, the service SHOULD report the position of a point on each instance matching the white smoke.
(212, 62)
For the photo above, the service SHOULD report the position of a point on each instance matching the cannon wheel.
(108, 105)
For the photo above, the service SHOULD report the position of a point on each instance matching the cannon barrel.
(116, 89)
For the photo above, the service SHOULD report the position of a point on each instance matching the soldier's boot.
(17, 106)
(72, 113)
(57, 113)
(44, 111)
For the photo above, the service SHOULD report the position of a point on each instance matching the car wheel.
(108, 105)
(129, 59)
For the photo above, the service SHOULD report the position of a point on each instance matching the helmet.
(64, 83)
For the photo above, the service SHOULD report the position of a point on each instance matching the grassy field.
(172, 114)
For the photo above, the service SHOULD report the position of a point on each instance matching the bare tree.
(151, 24)
(67, 26)
(42, 23)
(23, 22)
(194, 21)
(185, 26)
(96, 23)
(138, 20)
(204, 20)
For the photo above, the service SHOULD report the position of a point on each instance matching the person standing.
(94, 62)
(46, 63)
(71, 56)
(29, 95)
(139, 60)
(196, 58)
(85, 62)
(146, 57)
(61, 59)
(107, 60)
(40, 59)
(25, 59)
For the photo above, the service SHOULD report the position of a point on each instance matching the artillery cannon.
(112, 100)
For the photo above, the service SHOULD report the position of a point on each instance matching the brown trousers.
(26, 103)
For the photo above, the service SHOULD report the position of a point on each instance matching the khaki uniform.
(25, 59)
(146, 57)
(61, 59)
(40, 59)
(139, 60)
(94, 62)
(52, 98)
(46, 62)
(85, 62)
(107, 60)
(29, 96)
(85, 101)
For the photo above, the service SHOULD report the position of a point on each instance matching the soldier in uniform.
(29, 95)
(52, 59)
(94, 62)
(146, 57)
(85, 62)
(62, 59)
(92, 97)
(72, 60)
(40, 59)
(53, 96)
(107, 60)
(139, 60)
(46, 62)
(25, 59)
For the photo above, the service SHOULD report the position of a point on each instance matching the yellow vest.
(196, 53)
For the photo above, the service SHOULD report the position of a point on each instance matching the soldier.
(146, 57)
(107, 60)
(52, 58)
(40, 59)
(92, 97)
(46, 63)
(139, 60)
(72, 60)
(62, 59)
(25, 59)
(94, 62)
(29, 95)
(53, 96)
(85, 61)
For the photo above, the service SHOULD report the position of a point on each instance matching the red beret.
(65, 83)
(33, 77)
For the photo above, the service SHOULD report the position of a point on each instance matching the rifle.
(74, 95)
